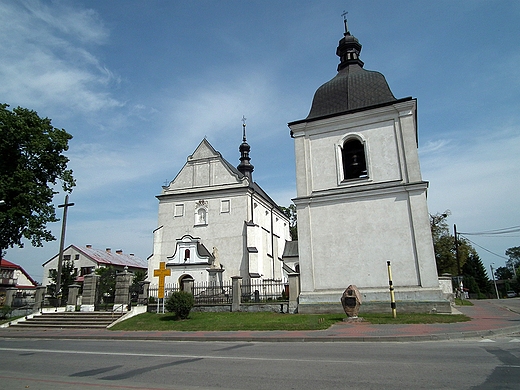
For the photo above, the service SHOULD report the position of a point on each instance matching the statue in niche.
(216, 262)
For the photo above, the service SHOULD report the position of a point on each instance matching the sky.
(139, 84)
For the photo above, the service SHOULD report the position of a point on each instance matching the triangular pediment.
(203, 151)
(205, 168)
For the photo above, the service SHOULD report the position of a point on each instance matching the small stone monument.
(351, 300)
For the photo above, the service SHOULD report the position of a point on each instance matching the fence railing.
(264, 290)
(211, 293)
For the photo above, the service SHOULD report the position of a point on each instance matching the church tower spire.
(245, 166)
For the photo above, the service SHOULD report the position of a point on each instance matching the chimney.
(88, 246)
(119, 251)
(108, 250)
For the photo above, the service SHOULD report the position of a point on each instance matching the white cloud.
(44, 64)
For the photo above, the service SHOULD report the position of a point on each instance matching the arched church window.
(354, 161)
(186, 254)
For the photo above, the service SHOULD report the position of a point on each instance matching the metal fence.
(264, 290)
(211, 293)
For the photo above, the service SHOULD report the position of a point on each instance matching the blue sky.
(140, 83)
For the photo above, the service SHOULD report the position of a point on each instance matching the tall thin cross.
(244, 127)
(162, 273)
(344, 14)
(65, 206)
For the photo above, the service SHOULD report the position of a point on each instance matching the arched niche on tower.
(352, 159)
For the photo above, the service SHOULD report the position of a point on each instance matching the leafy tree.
(290, 212)
(31, 165)
(135, 288)
(107, 283)
(68, 277)
(514, 258)
(444, 246)
(503, 273)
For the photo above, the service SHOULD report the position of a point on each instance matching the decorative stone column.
(237, 293)
(123, 283)
(90, 292)
(73, 297)
(294, 292)
(39, 296)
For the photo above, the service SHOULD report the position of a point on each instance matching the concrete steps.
(82, 320)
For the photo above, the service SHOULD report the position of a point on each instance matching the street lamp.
(494, 281)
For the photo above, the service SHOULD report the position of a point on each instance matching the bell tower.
(361, 200)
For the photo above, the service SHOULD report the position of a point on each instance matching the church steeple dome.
(353, 88)
(245, 166)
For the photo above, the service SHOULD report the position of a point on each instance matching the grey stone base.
(441, 307)
(377, 300)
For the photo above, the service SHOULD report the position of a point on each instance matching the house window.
(179, 210)
(66, 257)
(354, 160)
(225, 206)
(86, 270)
(76, 257)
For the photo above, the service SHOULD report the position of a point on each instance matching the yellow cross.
(162, 273)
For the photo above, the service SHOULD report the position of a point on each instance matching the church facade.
(216, 223)
(361, 200)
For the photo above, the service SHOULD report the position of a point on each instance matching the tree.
(135, 288)
(503, 273)
(68, 277)
(31, 165)
(474, 271)
(107, 283)
(444, 246)
(514, 258)
(290, 212)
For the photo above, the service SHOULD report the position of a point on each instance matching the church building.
(216, 223)
(361, 200)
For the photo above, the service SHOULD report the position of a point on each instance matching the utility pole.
(457, 249)
(65, 206)
(494, 281)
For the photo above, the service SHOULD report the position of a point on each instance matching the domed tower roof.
(353, 88)
(245, 166)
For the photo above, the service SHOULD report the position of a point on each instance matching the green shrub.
(5, 311)
(180, 303)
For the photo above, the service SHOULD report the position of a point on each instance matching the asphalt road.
(117, 364)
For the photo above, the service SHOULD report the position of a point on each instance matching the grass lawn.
(268, 321)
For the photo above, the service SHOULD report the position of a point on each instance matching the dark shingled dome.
(353, 87)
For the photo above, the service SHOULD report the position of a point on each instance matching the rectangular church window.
(179, 210)
(225, 206)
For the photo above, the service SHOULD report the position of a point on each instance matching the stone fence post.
(39, 296)
(294, 292)
(9, 295)
(73, 297)
(123, 283)
(90, 292)
(237, 293)
(143, 292)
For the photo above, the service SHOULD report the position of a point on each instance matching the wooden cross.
(162, 273)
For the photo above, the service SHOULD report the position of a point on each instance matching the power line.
(496, 232)
(481, 247)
